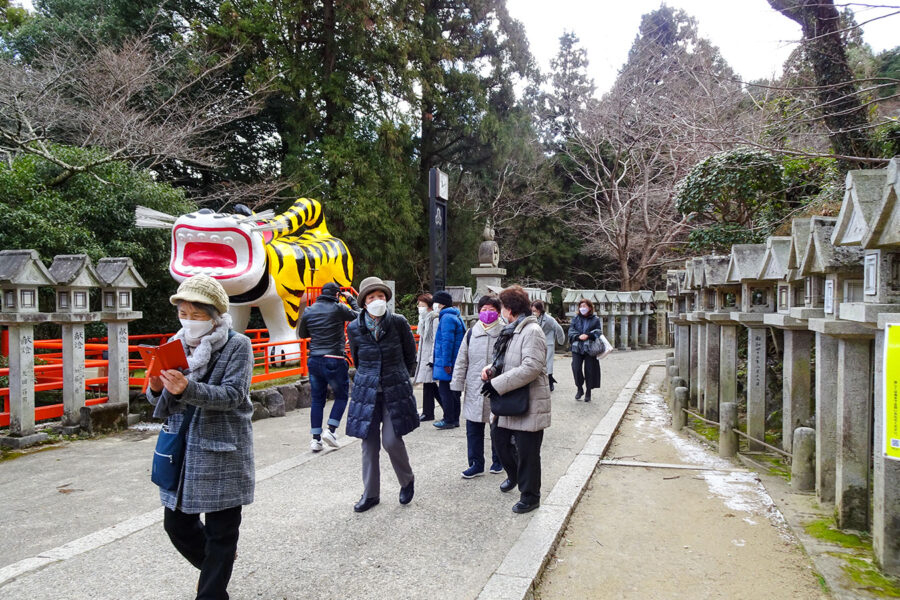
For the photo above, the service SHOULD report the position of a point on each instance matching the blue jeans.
(475, 443)
(323, 372)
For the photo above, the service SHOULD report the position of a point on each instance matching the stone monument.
(487, 273)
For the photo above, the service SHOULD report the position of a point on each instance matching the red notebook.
(167, 356)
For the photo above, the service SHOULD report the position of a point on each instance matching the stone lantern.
(680, 323)
(775, 269)
(118, 279)
(880, 306)
(462, 299)
(719, 360)
(21, 275)
(75, 277)
(757, 298)
(623, 309)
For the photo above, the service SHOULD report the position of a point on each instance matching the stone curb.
(517, 574)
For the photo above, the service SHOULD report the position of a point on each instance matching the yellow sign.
(892, 392)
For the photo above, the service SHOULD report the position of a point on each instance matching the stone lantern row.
(832, 285)
(632, 310)
(72, 277)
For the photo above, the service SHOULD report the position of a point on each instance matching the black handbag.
(168, 457)
(595, 347)
(510, 404)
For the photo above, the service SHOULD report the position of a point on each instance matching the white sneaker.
(330, 438)
(315, 445)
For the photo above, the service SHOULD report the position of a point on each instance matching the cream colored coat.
(525, 364)
(476, 352)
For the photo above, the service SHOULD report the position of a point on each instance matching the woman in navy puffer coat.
(382, 405)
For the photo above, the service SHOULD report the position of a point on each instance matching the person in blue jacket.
(447, 340)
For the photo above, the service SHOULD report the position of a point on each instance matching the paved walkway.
(663, 531)
(83, 521)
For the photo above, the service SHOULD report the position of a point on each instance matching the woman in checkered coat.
(218, 476)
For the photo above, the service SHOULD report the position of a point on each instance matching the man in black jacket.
(323, 323)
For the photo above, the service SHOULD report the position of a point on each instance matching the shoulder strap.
(469, 336)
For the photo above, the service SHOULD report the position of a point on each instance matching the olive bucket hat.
(203, 289)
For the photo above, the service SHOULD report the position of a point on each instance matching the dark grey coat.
(218, 462)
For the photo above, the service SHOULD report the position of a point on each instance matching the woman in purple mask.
(477, 352)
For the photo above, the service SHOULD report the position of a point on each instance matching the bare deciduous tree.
(645, 135)
(134, 103)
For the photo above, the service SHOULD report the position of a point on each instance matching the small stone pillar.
(803, 460)
(826, 415)
(711, 379)
(854, 381)
(728, 439)
(623, 332)
(678, 414)
(756, 385)
(796, 383)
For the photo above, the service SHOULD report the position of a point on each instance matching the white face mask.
(196, 329)
(584, 310)
(376, 308)
(423, 310)
(436, 307)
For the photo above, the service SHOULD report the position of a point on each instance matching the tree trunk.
(842, 111)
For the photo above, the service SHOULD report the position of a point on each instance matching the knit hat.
(331, 289)
(371, 284)
(203, 289)
(443, 298)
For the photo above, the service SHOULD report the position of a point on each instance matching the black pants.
(586, 370)
(522, 462)
(210, 547)
(429, 394)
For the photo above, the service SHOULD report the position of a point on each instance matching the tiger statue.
(262, 260)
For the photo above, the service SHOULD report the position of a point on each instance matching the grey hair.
(209, 309)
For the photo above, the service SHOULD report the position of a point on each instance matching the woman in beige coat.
(520, 360)
(476, 352)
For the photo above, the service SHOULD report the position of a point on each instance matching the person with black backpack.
(476, 352)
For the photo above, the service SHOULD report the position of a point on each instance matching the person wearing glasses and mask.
(217, 477)
(382, 405)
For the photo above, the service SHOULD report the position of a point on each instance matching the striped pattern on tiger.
(308, 259)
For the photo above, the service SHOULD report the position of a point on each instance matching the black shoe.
(507, 486)
(579, 394)
(365, 504)
(407, 491)
(587, 397)
(423, 418)
(523, 507)
(551, 385)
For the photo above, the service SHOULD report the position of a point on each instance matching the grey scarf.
(200, 350)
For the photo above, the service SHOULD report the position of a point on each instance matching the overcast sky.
(753, 38)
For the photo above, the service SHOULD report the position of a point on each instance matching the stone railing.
(828, 290)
